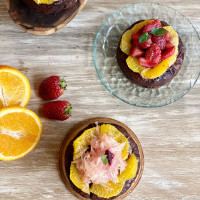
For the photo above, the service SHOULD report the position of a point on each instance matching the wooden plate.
(75, 131)
(38, 23)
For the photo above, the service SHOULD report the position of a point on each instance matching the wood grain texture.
(169, 135)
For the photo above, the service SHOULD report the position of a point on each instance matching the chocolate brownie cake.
(139, 79)
(53, 8)
(128, 183)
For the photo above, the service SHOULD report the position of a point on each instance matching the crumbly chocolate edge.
(69, 159)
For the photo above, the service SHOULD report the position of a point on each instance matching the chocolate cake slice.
(53, 8)
(137, 79)
(67, 150)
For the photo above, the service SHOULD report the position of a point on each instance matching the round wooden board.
(75, 131)
(38, 23)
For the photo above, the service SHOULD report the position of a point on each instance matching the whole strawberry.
(59, 110)
(52, 88)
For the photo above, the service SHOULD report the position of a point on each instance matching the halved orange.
(15, 89)
(20, 132)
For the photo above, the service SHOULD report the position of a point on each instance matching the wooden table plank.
(169, 135)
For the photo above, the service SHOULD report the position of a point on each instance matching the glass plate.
(110, 74)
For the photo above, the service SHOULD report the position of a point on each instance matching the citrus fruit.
(77, 180)
(83, 141)
(15, 89)
(110, 190)
(20, 132)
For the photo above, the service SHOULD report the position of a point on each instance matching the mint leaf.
(158, 31)
(104, 159)
(144, 37)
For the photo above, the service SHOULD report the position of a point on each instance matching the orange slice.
(20, 132)
(15, 89)
(134, 65)
(77, 180)
(110, 190)
(83, 141)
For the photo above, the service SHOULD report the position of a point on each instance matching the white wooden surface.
(170, 135)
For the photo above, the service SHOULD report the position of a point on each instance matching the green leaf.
(158, 31)
(104, 159)
(144, 37)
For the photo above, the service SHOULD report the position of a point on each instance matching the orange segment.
(134, 65)
(110, 190)
(173, 35)
(131, 169)
(15, 89)
(20, 132)
(125, 44)
(77, 180)
(83, 141)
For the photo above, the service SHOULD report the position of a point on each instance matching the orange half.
(20, 132)
(15, 88)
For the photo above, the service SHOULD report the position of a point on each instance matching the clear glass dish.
(110, 74)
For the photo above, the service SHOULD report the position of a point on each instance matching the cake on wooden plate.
(102, 160)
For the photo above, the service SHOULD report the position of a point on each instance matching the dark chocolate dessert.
(49, 7)
(153, 57)
(99, 147)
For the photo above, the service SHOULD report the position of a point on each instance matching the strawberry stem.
(63, 83)
(68, 109)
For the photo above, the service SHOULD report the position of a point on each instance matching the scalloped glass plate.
(110, 74)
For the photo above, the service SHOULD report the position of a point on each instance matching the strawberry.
(160, 41)
(168, 45)
(146, 63)
(168, 53)
(146, 44)
(135, 39)
(153, 53)
(52, 88)
(167, 35)
(136, 52)
(59, 110)
(155, 24)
